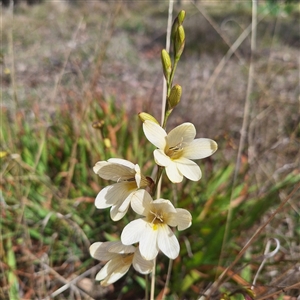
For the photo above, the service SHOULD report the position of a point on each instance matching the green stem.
(169, 86)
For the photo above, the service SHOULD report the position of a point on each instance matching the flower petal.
(163, 205)
(113, 270)
(141, 202)
(200, 148)
(99, 165)
(114, 193)
(140, 264)
(114, 171)
(184, 133)
(121, 161)
(167, 241)
(189, 169)
(116, 214)
(161, 158)
(182, 219)
(133, 231)
(148, 242)
(99, 251)
(155, 134)
(118, 247)
(173, 173)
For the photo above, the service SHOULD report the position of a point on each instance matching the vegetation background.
(74, 75)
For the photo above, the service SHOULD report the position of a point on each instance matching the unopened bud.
(166, 63)
(175, 96)
(181, 16)
(177, 22)
(144, 117)
(179, 42)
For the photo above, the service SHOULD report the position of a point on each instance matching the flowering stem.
(169, 86)
(153, 280)
(158, 175)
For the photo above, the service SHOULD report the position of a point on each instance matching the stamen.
(175, 151)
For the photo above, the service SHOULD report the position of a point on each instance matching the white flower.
(120, 258)
(119, 195)
(153, 231)
(176, 149)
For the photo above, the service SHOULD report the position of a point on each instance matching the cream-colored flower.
(153, 232)
(120, 257)
(118, 196)
(177, 148)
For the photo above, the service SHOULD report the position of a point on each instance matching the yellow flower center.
(156, 218)
(174, 152)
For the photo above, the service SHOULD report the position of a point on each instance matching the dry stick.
(62, 71)
(102, 53)
(73, 281)
(232, 50)
(59, 277)
(268, 296)
(258, 231)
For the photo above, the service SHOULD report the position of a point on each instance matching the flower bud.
(177, 22)
(181, 16)
(144, 117)
(179, 42)
(175, 96)
(166, 63)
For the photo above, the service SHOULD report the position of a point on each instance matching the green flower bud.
(144, 117)
(181, 16)
(166, 63)
(177, 22)
(175, 96)
(179, 42)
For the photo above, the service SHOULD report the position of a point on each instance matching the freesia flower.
(118, 196)
(176, 149)
(153, 232)
(120, 257)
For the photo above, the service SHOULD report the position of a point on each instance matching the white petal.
(140, 264)
(99, 165)
(138, 175)
(189, 169)
(121, 161)
(113, 271)
(126, 202)
(182, 219)
(173, 173)
(132, 232)
(163, 205)
(167, 242)
(101, 200)
(113, 194)
(99, 251)
(184, 133)
(117, 215)
(113, 171)
(200, 148)
(148, 242)
(161, 158)
(155, 134)
(141, 201)
(118, 247)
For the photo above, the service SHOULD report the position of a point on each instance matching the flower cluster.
(143, 238)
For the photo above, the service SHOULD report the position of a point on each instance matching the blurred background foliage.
(74, 78)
